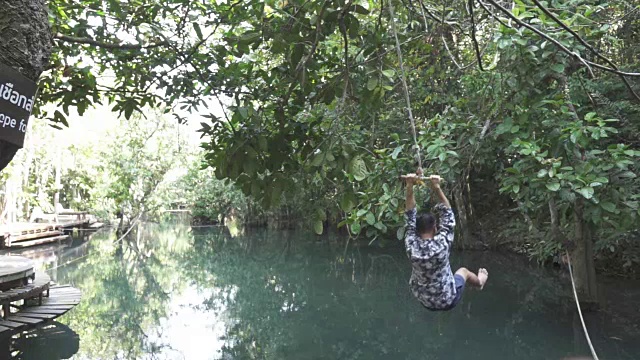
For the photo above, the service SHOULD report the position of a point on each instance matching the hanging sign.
(17, 94)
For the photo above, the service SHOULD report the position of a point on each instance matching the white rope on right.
(575, 294)
(404, 81)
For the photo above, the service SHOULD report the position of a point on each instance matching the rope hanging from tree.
(575, 294)
(404, 81)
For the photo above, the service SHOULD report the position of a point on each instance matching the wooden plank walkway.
(27, 298)
(61, 299)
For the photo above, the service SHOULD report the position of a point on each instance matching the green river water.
(176, 292)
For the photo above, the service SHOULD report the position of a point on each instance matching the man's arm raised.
(410, 205)
(411, 179)
(447, 221)
(435, 186)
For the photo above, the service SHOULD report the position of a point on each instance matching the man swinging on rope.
(428, 244)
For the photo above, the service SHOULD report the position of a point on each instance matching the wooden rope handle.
(402, 177)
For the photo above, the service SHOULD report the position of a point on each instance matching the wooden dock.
(50, 228)
(21, 235)
(29, 299)
(39, 308)
(69, 219)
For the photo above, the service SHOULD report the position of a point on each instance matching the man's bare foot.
(483, 275)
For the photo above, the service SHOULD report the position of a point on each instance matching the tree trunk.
(584, 272)
(57, 182)
(25, 45)
(555, 221)
(25, 176)
(463, 223)
(582, 253)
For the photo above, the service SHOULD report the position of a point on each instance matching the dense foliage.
(527, 106)
(124, 169)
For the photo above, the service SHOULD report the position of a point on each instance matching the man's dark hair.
(425, 223)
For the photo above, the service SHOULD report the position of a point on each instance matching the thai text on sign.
(17, 94)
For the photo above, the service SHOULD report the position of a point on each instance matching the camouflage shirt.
(431, 277)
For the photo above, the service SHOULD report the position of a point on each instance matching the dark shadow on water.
(53, 341)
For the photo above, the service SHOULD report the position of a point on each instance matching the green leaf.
(360, 9)
(355, 227)
(243, 112)
(372, 83)
(586, 192)
(346, 203)
(575, 136)
(250, 37)
(371, 219)
(318, 227)
(249, 166)
(296, 53)
(542, 173)
(196, 27)
(554, 186)
(400, 233)
(610, 207)
(60, 118)
(516, 188)
(128, 110)
(396, 151)
(262, 143)
(559, 68)
(354, 26)
(380, 226)
(321, 214)
(361, 212)
(358, 169)
(389, 73)
(317, 160)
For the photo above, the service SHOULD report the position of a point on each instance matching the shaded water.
(173, 292)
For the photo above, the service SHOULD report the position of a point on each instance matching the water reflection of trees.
(296, 299)
(286, 297)
(283, 296)
(126, 290)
